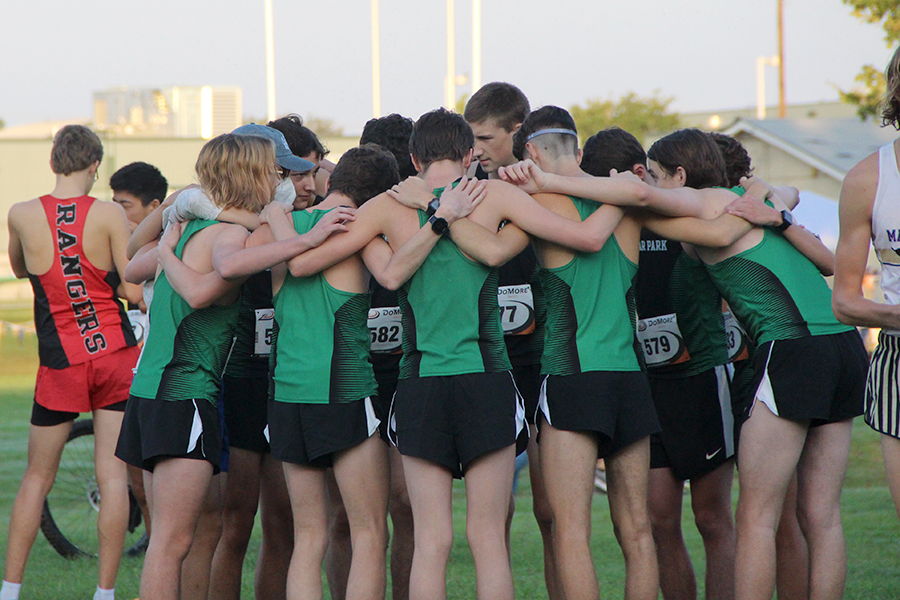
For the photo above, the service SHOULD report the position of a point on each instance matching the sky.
(55, 54)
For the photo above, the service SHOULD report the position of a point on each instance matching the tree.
(868, 95)
(639, 116)
(323, 127)
(461, 103)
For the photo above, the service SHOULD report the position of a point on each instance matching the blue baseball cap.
(283, 155)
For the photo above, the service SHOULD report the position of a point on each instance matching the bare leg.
(136, 479)
(239, 504)
(890, 448)
(792, 567)
(178, 489)
(676, 573)
(711, 502)
(820, 477)
(627, 473)
(277, 532)
(340, 550)
(402, 543)
(195, 570)
(488, 490)
(770, 448)
(306, 486)
(507, 526)
(362, 475)
(112, 481)
(430, 486)
(544, 517)
(45, 446)
(568, 459)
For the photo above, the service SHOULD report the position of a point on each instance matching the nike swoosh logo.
(709, 456)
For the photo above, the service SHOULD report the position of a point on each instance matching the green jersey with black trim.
(590, 310)
(186, 350)
(698, 305)
(776, 292)
(451, 318)
(253, 329)
(320, 339)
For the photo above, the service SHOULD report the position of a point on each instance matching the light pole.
(376, 63)
(782, 107)
(476, 45)
(270, 62)
(761, 63)
(450, 82)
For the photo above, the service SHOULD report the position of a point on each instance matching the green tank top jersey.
(590, 310)
(451, 318)
(186, 350)
(698, 305)
(320, 341)
(776, 292)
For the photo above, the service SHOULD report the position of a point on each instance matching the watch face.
(439, 225)
(787, 220)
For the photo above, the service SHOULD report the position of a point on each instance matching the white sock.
(10, 591)
(102, 594)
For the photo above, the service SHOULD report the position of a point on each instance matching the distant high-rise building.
(177, 111)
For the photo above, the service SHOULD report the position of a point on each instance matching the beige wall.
(25, 170)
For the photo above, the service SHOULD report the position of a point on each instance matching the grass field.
(871, 525)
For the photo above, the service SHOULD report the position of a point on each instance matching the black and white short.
(245, 402)
(697, 423)
(883, 387)
(310, 434)
(387, 385)
(821, 378)
(615, 405)
(153, 430)
(452, 420)
(528, 381)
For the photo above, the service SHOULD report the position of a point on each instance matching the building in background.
(173, 112)
(719, 120)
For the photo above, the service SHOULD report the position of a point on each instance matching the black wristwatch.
(787, 219)
(432, 207)
(439, 225)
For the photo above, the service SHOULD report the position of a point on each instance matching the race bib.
(516, 309)
(735, 336)
(138, 322)
(661, 341)
(385, 330)
(262, 338)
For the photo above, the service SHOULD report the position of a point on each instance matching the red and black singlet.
(76, 313)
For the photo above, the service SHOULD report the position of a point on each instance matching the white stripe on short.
(723, 380)
(764, 392)
(883, 387)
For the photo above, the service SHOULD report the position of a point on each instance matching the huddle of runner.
(345, 340)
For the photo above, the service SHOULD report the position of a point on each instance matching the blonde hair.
(235, 171)
(75, 148)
